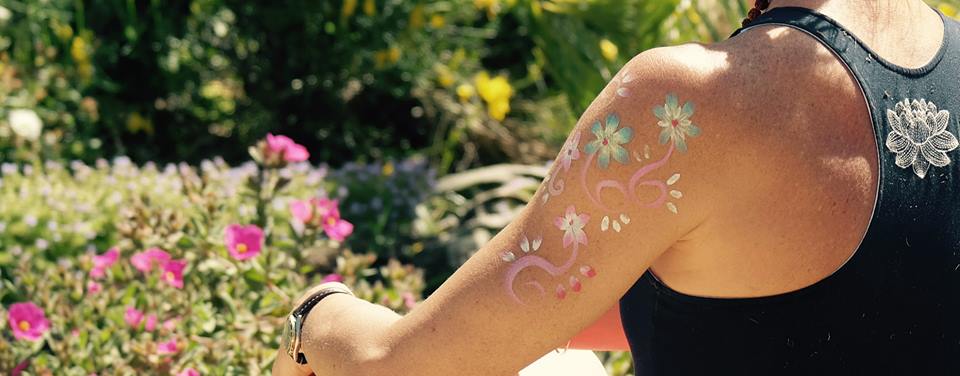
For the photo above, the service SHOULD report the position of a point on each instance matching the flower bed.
(120, 269)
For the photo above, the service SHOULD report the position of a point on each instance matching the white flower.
(920, 137)
(5, 15)
(25, 123)
(675, 122)
(572, 225)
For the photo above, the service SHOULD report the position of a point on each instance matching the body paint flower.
(572, 225)
(243, 242)
(570, 151)
(609, 141)
(27, 321)
(144, 261)
(133, 317)
(283, 148)
(675, 122)
(103, 262)
(173, 273)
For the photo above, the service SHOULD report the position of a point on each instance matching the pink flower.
(151, 322)
(409, 301)
(169, 347)
(282, 147)
(189, 372)
(302, 210)
(170, 324)
(103, 262)
(144, 261)
(93, 287)
(28, 321)
(572, 225)
(18, 370)
(333, 277)
(243, 242)
(173, 273)
(335, 227)
(133, 317)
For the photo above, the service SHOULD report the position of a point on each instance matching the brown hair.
(758, 8)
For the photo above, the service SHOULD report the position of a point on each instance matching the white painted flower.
(919, 135)
(25, 123)
(572, 225)
(528, 246)
(610, 137)
(675, 121)
(570, 151)
(622, 81)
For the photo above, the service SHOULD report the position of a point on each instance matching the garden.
(173, 174)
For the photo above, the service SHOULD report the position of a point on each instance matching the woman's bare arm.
(633, 179)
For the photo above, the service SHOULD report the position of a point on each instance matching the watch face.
(286, 339)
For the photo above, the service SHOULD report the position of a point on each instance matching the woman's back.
(822, 185)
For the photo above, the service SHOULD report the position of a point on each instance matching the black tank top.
(894, 307)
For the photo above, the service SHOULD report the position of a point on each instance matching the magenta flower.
(189, 372)
(28, 321)
(243, 242)
(93, 287)
(144, 261)
(173, 273)
(18, 370)
(103, 262)
(151, 323)
(133, 317)
(302, 210)
(282, 147)
(333, 277)
(170, 324)
(335, 227)
(169, 347)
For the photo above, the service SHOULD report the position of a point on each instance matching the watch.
(292, 328)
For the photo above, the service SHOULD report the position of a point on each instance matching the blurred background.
(128, 123)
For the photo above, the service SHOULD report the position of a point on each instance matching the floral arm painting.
(631, 181)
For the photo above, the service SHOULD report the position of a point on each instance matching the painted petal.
(525, 245)
(627, 77)
(604, 159)
(575, 284)
(687, 109)
(624, 135)
(567, 239)
(583, 219)
(692, 130)
(944, 141)
(597, 129)
(561, 292)
(672, 101)
(613, 121)
(894, 121)
(623, 92)
(934, 156)
(588, 271)
(616, 226)
(560, 222)
(908, 155)
(672, 207)
(581, 237)
(673, 179)
(605, 223)
(665, 135)
(676, 194)
(620, 154)
(571, 211)
(592, 147)
(646, 151)
(940, 121)
(537, 242)
(508, 256)
(681, 144)
(625, 219)
(660, 113)
(896, 142)
(920, 167)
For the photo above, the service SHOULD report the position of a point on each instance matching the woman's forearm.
(343, 335)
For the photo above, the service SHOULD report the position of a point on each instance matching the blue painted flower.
(675, 121)
(609, 141)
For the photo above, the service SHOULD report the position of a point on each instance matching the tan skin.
(777, 194)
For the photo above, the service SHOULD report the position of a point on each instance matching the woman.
(782, 202)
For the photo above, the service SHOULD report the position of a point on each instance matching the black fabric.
(892, 309)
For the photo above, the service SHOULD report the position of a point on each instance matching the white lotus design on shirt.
(920, 136)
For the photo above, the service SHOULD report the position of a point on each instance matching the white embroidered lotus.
(919, 135)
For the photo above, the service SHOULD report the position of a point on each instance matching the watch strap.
(307, 305)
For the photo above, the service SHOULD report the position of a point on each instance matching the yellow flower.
(947, 10)
(370, 7)
(465, 92)
(437, 21)
(388, 169)
(393, 54)
(608, 50)
(491, 6)
(535, 9)
(416, 17)
(496, 92)
(79, 50)
(137, 123)
(445, 78)
(349, 8)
